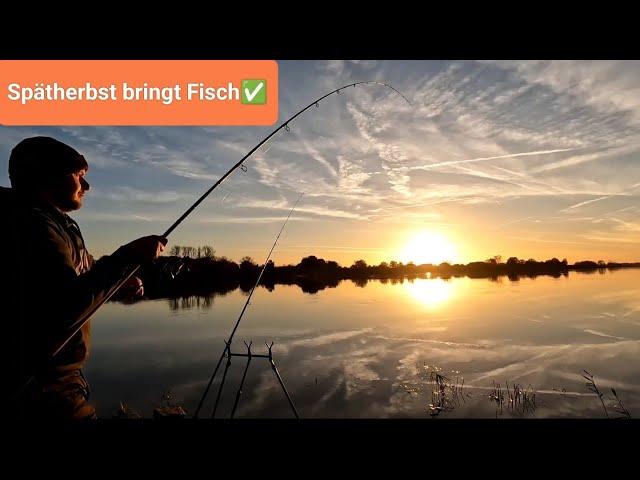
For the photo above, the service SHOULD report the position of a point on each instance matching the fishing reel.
(173, 267)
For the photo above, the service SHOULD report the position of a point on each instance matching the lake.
(456, 348)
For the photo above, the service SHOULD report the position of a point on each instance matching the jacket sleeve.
(66, 296)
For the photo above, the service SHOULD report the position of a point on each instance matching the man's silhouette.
(54, 281)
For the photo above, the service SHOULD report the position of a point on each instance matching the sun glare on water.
(428, 247)
(431, 293)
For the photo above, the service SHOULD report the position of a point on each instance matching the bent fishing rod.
(76, 326)
(227, 347)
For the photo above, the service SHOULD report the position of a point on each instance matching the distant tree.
(586, 264)
(247, 266)
(360, 282)
(496, 259)
(512, 261)
(208, 251)
(359, 265)
(393, 264)
(270, 268)
(311, 263)
(247, 260)
(199, 252)
(602, 263)
(331, 265)
(175, 251)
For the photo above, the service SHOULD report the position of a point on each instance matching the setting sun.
(428, 247)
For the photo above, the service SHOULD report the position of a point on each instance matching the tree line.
(205, 251)
(312, 263)
(197, 270)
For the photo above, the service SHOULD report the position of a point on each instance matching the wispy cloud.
(626, 226)
(602, 334)
(587, 202)
(123, 217)
(543, 240)
(250, 220)
(128, 194)
(509, 144)
(327, 338)
(609, 238)
(496, 157)
(590, 157)
(344, 248)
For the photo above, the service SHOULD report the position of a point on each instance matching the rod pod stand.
(249, 356)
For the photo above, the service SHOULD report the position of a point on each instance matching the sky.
(533, 159)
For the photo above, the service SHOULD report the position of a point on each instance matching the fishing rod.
(76, 326)
(227, 348)
(79, 324)
(244, 375)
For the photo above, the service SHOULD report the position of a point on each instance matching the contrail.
(623, 193)
(585, 203)
(482, 159)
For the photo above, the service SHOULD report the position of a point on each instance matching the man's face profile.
(69, 192)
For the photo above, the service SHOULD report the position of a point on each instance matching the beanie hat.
(39, 161)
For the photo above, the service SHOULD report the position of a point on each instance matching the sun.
(428, 247)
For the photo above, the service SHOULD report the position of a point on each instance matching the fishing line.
(227, 350)
(58, 345)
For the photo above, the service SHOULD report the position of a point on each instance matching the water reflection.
(360, 352)
(194, 301)
(431, 293)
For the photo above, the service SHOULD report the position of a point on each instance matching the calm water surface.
(371, 351)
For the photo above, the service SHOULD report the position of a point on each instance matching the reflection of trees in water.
(360, 282)
(203, 298)
(592, 271)
(210, 276)
(194, 301)
(199, 292)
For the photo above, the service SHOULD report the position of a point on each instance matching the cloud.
(624, 226)
(478, 137)
(122, 217)
(587, 202)
(607, 86)
(579, 159)
(327, 338)
(601, 334)
(128, 194)
(497, 157)
(250, 220)
(315, 154)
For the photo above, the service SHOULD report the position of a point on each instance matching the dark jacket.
(56, 282)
